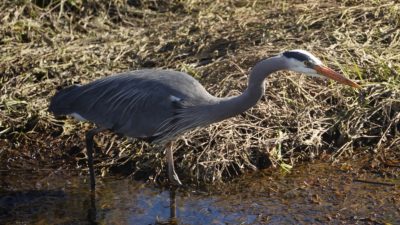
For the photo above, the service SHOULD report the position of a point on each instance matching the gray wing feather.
(136, 104)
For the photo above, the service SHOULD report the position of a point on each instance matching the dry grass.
(67, 42)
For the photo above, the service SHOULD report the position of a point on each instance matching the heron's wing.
(134, 104)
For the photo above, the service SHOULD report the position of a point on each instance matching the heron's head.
(302, 61)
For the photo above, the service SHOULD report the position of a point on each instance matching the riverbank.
(47, 45)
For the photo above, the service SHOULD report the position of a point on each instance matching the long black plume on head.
(297, 55)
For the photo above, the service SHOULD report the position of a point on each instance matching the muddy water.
(317, 193)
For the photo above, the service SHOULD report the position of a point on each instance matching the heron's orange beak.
(327, 72)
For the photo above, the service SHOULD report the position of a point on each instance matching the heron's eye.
(308, 64)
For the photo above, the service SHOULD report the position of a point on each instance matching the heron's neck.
(232, 106)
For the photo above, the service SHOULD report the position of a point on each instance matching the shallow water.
(311, 194)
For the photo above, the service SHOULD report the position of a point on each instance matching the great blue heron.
(157, 105)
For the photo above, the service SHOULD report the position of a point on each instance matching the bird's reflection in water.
(92, 211)
(172, 207)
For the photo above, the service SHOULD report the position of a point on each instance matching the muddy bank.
(47, 45)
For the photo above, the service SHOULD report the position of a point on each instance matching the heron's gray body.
(157, 105)
(140, 104)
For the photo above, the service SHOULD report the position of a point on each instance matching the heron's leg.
(173, 177)
(89, 148)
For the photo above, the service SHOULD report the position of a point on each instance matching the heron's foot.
(174, 179)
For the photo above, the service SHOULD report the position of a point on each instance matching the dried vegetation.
(48, 44)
